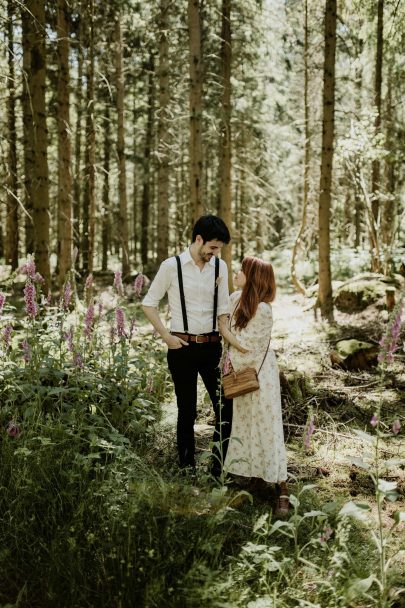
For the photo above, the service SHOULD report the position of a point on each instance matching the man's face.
(208, 249)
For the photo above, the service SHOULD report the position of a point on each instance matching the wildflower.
(389, 342)
(308, 433)
(7, 331)
(78, 360)
(88, 321)
(100, 309)
(26, 351)
(2, 300)
(120, 318)
(326, 534)
(28, 269)
(227, 365)
(118, 283)
(38, 278)
(374, 420)
(67, 295)
(132, 328)
(396, 427)
(13, 430)
(113, 332)
(69, 339)
(138, 284)
(30, 302)
(89, 282)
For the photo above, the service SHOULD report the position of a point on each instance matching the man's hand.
(174, 342)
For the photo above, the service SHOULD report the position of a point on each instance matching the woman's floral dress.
(256, 447)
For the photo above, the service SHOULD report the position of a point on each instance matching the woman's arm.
(228, 335)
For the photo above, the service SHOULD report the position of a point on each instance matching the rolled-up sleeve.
(223, 290)
(159, 286)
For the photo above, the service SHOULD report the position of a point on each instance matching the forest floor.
(341, 403)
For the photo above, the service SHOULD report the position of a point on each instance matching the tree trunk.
(300, 287)
(12, 240)
(28, 127)
(388, 227)
(77, 190)
(146, 190)
(64, 155)
(135, 185)
(325, 280)
(375, 174)
(196, 95)
(122, 175)
(105, 230)
(225, 200)
(163, 135)
(89, 201)
(40, 181)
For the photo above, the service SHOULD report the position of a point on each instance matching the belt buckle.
(197, 340)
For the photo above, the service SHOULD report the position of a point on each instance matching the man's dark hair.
(210, 228)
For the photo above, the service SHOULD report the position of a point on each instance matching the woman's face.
(240, 279)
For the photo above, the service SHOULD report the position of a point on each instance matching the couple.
(197, 286)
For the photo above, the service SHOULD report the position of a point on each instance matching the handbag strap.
(268, 345)
(181, 289)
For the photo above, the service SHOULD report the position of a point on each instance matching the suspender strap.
(214, 321)
(181, 289)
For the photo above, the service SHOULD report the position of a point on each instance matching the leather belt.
(198, 339)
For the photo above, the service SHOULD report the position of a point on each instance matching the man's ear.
(199, 240)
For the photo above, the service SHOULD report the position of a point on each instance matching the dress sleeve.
(254, 337)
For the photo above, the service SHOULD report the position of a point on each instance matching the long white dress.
(256, 447)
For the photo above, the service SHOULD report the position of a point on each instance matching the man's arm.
(172, 341)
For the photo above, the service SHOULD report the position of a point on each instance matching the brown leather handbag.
(242, 382)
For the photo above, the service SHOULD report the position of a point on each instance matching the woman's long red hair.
(260, 286)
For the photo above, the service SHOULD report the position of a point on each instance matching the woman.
(256, 447)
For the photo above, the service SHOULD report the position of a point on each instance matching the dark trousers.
(185, 364)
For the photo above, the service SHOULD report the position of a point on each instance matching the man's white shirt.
(198, 288)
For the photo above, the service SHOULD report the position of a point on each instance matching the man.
(197, 286)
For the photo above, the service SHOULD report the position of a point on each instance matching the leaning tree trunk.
(40, 182)
(163, 135)
(196, 96)
(300, 287)
(89, 201)
(225, 199)
(375, 173)
(122, 174)
(12, 194)
(325, 281)
(64, 154)
(146, 189)
(28, 30)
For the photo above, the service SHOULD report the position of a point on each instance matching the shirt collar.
(185, 258)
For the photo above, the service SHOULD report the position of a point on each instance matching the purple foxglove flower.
(2, 300)
(7, 331)
(13, 430)
(69, 339)
(28, 269)
(120, 319)
(26, 351)
(88, 321)
(38, 278)
(30, 301)
(374, 420)
(67, 295)
(118, 283)
(89, 282)
(389, 342)
(78, 360)
(396, 427)
(138, 284)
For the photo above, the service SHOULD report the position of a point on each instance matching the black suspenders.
(183, 301)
